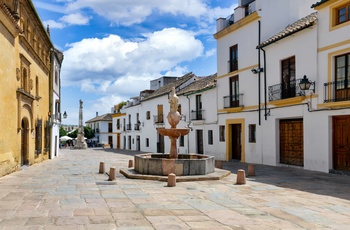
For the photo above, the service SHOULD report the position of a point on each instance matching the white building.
(263, 55)
(55, 102)
(103, 128)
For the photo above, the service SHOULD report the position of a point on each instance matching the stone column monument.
(80, 142)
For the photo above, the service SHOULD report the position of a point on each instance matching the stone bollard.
(171, 180)
(130, 164)
(102, 167)
(251, 170)
(112, 174)
(218, 164)
(241, 177)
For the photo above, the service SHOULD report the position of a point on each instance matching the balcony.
(285, 90)
(128, 126)
(158, 119)
(232, 65)
(197, 115)
(336, 91)
(233, 101)
(137, 126)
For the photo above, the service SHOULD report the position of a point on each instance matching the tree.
(88, 132)
(62, 132)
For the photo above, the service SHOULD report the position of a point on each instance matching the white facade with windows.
(255, 110)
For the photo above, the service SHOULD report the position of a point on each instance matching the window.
(56, 77)
(110, 128)
(252, 133)
(222, 133)
(233, 62)
(210, 137)
(343, 14)
(182, 141)
(37, 86)
(147, 142)
(148, 115)
(118, 124)
(47, 136)
(198, 115)
(38, 136)
(234, 91)
(342, 77)
(288, 78)
(179, 109)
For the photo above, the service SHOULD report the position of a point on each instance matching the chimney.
(96, 114)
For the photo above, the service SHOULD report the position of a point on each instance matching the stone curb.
(217, 175)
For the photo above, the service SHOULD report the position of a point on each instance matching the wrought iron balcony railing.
(232, 65)
(137, 126)
(197, 115)
(336, 91)
(285, 90)
(128, 126)
(233, 101)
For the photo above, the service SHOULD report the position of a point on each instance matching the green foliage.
(120, 106)
(62, 132)
(88, 132)
(73, 134)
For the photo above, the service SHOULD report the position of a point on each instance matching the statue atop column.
(80, 141)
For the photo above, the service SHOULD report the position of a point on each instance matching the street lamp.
(305, 84)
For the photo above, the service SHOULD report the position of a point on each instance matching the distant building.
(102, 126)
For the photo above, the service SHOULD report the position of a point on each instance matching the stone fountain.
(180, 164)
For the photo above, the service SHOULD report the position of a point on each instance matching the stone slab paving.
(69, 193)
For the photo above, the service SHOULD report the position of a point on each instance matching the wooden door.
(118, 141)
(341, 145)
(138, 143)
(236, 141)
(24, 143)
(200, 141)
(160, 144)
(292, 142)
(160, 114)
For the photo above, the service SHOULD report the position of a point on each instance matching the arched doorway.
(24, 141)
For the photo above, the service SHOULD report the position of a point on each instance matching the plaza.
(67, 192)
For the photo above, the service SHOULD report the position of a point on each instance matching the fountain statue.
(173, 118)
(180, 164)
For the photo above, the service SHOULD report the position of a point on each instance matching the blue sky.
(114, 48)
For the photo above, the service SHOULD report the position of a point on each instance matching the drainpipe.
(259, 81)
(188, 124)
(265, 87)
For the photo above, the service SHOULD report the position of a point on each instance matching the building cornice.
(244, 21)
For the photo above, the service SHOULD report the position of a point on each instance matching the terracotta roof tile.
(104, 117)
(319, 3)
(297, 26)
(167, 88)
(202, 83)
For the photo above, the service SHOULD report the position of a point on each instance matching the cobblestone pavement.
(68, 193)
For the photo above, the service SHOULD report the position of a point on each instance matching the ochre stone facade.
(24, 94)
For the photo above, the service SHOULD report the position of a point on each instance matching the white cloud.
(54, 24)
(114, 65)
(210, 52)
(75, 19)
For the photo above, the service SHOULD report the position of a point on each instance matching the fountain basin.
(173, 132)
(184, 165)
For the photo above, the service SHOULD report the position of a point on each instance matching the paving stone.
(69, 193)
